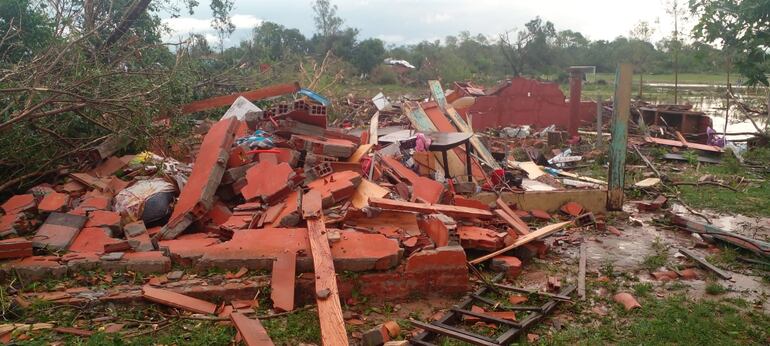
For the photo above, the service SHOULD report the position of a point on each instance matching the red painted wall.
(526, 102)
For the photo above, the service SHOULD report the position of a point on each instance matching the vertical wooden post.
(599, 111)
(575, 89)
(619, 142)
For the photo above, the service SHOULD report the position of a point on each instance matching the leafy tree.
(640, 49)
(221, 21)
(26, 30)
(368, 54)
(328, 24)
(741, 26)
(275, 42)
(532, 49)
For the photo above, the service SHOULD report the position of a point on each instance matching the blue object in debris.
(315, 96)
(259, 139)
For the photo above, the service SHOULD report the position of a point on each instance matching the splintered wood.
(542, 232)
(327, 295)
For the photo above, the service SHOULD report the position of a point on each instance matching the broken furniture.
(449, 324)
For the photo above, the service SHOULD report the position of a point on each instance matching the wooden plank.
(450, 210)
(483, 152)
(253, 95)
(704, 263)
(504, 206)
(327, 294)
(519, 228)
(374, 124)
(582, 271)
(252, 332)
(177, 300)
(362, 151)
(542, 232)
(364, 191)
(619, 142)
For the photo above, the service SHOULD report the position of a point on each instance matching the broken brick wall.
(525, 102)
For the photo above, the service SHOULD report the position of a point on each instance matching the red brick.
(109, 167)
(116, 185)
(267, 180)
(509, 265)
(540, 214)
(178, 300)
(58, 231)
(92, 239)
(336, 186)
(572, 208)
(196, 198)
(54, 201)
(72, 188)
(95, 203)
(104, 218)
(470, 203)
(90, 181)
(15, 248)
(480, 238)
(282, 281)
(665, 275)
(256, 248)
(11, 224)
(219, 213)
(251, 330)
(36, 268)
(340, 148)
(137, 236)
(440, 259)
(19, 203)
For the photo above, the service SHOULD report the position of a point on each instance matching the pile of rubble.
(409, 202)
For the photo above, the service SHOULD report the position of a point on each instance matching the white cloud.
(245, 21)
(393, 39)
(436, 18)
(182, 25)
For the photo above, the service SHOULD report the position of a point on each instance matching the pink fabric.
(423, 142)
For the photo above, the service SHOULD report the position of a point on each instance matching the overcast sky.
(410, 21)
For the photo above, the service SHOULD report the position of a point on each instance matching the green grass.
(672, 321)
(657, 257)
(714, 288)
(684, 78)
(751, 200)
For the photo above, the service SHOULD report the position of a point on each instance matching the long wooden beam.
(451, 210)
(253, 95)
(327, 294)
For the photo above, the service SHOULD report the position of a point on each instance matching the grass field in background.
(684, 78)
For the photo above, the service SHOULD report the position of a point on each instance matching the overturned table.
(441, 142)
(445, 141)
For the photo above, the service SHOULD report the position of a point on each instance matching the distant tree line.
(538, 49)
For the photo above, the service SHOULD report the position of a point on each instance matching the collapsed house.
(407, 209)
